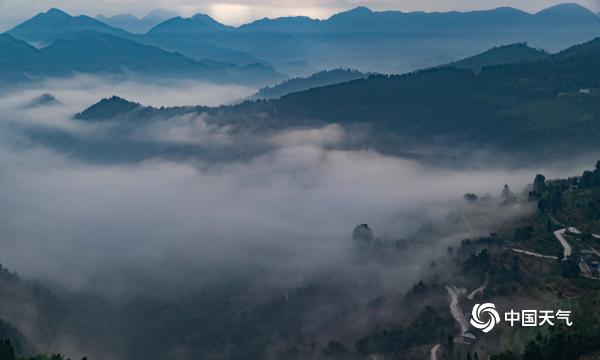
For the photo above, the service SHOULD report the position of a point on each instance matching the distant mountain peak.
(353, 14)
(319, 79)
(360, 10)
(108, 108)
(56, 12)
(117, 99)
(201, 16)
(566, 10)
(197, 23)
(566, 7)
(42, 100)
(505, 54)
(137, 25)
(205, 18)
(161, 14)
(44, 28)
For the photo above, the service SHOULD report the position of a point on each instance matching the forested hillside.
(548, 104)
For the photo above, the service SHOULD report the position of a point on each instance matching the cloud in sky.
(235, 12)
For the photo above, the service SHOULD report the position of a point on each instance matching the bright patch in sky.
(236, 14)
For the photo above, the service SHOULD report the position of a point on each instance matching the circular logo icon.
(484, 317)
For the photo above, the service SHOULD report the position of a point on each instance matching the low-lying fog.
(290, 209)
(86, 90)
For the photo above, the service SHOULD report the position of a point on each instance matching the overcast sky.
(234, 12)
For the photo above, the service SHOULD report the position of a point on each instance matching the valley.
(366, 185)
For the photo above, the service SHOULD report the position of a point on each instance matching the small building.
(466, 338)
(589, 263)
(594, 265)
(585, 91)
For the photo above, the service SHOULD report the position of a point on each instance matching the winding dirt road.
(531, 253)
(480, 289)
(434, 351)
(560, 235)
(455, 309)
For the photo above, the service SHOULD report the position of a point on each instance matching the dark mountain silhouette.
(119, 109)
(401, 41)
(521, 107)
(507, 54)
(407, 41)
(110, 108)
(372, 41)
(99, 53)
(136, 25)
(18, 61)
(197, 24)
(199, 31)
(192, 37)
(117, 105)
(55, 24)
(364, 19)
(582, 51)
(46, 27)
(572, 14)
(42, 100)
(322, 78)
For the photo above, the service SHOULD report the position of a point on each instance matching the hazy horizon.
(243, 11)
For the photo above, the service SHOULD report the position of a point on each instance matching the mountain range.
(56, 44)
(225, 232)
(137, 25)
(97, 53)
(45, 28)
(528, 106)
(319, 79)
(383, 42)
(401, 41)
(506, 54)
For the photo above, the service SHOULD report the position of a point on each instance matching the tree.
(504, 356)
(569, 267)
(450, 344)
(470, 197)
(542, 205)
(556, 201)
(506, 192)
(6, 350)
(524, 233)
(533, 351)
(363, 234)
(539, 184)
(335, 349)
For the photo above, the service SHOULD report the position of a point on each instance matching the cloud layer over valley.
(289, 209)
